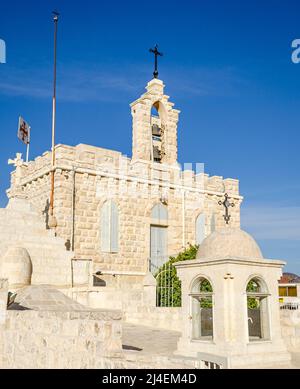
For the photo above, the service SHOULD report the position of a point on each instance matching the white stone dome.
(16, 266)
(229, 243)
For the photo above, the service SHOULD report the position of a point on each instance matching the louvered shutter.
(213, 223)
(105, 227)
(159, 212)
(114, 225)
(200, 228)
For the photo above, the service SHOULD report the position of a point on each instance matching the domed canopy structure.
(16, 266)
(229, 243)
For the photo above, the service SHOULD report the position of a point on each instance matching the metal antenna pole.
(52, 220)
(27, 152)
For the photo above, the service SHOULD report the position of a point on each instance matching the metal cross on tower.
(156, 53)
(226, 205)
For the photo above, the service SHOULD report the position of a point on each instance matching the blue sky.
(227, 66)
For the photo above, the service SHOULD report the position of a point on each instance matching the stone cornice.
(166, 184)
(229, 260)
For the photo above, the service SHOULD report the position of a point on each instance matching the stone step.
(32, 237)
(21, 225)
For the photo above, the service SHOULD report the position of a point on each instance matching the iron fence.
(164, 273)
(289, 306)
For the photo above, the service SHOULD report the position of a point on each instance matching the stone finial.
(155, 86)
(16, 190)
(17, 162)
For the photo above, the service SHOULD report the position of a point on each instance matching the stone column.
(149, 290)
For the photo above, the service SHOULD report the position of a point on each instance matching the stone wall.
(36, 339)
(23, 235)
(135, 187)
(290, 329)
(168, 318)
(3, 299)
(137, 303)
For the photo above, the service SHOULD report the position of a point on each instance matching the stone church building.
(121, 217)
(83, 293)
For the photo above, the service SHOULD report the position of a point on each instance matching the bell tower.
(154, 126)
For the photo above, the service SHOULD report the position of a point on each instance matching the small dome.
(16, 266)
(229, 242)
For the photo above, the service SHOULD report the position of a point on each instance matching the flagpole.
(27, 152)
(52, 220)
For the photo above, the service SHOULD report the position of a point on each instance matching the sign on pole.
(24, 134)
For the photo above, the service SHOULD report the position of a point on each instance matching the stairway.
(22, 226)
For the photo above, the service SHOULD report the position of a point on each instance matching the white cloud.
(265, 222)
(82, 82)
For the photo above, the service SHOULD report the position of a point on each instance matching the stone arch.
(159, 212)
(104, 199)
(197, 278)
(201, 308)
(161, 110)
(257, 305)
(260, 279)
(151, 204)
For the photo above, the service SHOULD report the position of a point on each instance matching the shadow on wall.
(46, 213)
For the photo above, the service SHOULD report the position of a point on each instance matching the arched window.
(202, 309)
(257, 306)
(109, 227)
(159, 212)
(158, 236)
(200, 228)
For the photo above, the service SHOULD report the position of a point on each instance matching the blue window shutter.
(105, 227)
(200, 228)
(114, 225)
(159, 212)
(213, 223)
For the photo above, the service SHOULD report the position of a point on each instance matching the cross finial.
(156, 53)
(17, 162)
(226, 205)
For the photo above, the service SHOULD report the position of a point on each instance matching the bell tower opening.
(157, 134)
(154, 126)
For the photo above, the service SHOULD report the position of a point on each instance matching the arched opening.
(154, 110)
(157, 132)
(109, 227)
(160, 213)
(202, 309)
(257, 307)
(200, 228)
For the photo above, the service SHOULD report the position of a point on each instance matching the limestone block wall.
(290, 329)
(157, 317)
(87, 176)
(3, 299)
(36, 339)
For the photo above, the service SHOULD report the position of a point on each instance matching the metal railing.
(289, 306)
(164, 273)
(210, 365)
